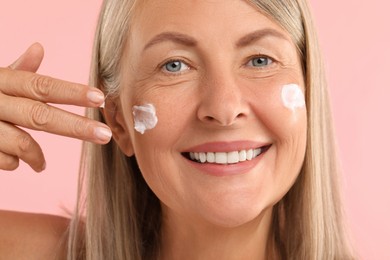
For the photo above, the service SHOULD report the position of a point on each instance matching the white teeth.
(249, 154)
(221, 158)
(242, 155)
(232, 157)
(210, 157)
(202, 157)
(225, 158)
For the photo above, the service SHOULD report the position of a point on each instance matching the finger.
(30, 60)
(18, 143)
(40, 116)
(8, 162)
(47, 89)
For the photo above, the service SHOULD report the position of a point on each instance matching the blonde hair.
(123, 216)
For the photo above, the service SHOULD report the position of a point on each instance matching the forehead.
(205, 20)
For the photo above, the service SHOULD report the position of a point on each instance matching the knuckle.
(24, 143)
(40, 114)
(71, 92)
(80, 128)
(9, 163)
(41, 86)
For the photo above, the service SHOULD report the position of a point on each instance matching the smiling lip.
(228, 169)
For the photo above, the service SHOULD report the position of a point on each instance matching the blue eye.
(260, 62)
(175, 66)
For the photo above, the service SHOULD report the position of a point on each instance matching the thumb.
(30, 60)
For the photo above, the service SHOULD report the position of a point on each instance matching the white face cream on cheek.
(144, 117)
(292, 97)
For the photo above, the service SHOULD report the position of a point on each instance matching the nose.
(222, 101)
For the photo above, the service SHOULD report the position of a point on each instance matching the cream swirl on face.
(292, 97)
(144, 117)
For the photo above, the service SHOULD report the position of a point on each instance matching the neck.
(197, 240)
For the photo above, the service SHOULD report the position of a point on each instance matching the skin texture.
(219, 95)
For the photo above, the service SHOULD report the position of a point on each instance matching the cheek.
(156, 149)
(157, 158)
(281, 110)
(286, 125)
(289, 121)
(175, 112)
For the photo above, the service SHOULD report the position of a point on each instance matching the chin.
(234, 214)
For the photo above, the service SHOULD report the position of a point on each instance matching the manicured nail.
(103, 134)
(95, 97)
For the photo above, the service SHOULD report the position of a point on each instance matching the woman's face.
(214, 70)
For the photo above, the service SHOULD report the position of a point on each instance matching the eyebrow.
(176, 37)
(189, 41)
(259, 34)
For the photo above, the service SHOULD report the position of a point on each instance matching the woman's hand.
(23, 103)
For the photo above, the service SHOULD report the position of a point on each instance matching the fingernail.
(103, 134)
(95, 97)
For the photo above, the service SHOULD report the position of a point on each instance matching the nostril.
(241, 115)
(223, 121)
(209, 118)
(225, 116)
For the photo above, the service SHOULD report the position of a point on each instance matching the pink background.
(355, 39)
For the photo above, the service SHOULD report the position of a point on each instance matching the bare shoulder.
(32, 236)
